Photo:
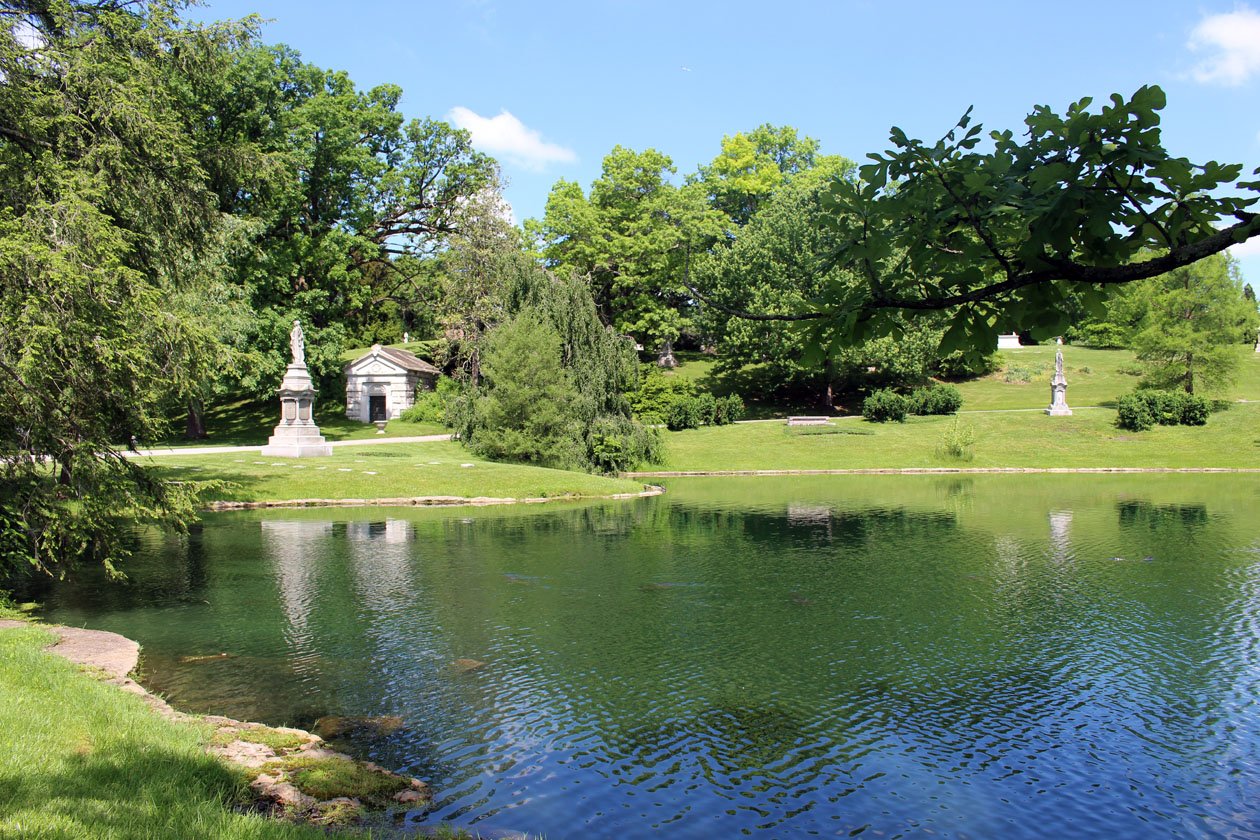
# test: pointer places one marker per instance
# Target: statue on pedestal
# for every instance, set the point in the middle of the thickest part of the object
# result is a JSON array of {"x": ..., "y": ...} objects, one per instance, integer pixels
[
  {"x": 297, "y": 435},
  {"x": 297, "y": 343},
  {"x": 1058, "y": 389}
]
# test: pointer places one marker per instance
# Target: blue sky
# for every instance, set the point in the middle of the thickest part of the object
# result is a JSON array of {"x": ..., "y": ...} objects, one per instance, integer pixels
[{"x": 549, "y": 88}]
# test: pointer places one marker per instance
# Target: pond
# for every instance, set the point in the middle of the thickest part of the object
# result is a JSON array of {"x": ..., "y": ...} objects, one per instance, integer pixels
[{"x": 1018, "y": 656}]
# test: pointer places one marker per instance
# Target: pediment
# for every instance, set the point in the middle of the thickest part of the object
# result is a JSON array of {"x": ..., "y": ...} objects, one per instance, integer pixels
[{"x": 376, "y": 365}]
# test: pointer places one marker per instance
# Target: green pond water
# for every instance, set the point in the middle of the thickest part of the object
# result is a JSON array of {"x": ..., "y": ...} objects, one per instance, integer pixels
[{"x": 1016, "y": 656}]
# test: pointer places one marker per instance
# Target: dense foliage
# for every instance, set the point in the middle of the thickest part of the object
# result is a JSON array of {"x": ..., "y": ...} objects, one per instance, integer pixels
[
  {"x": 885, "y": 405},
  {"x": 679, "y": 404},
  {"x": 553, "y": 380},
  {"x": 935, "y": 399},
  {"x": 1141, "y": 410}
]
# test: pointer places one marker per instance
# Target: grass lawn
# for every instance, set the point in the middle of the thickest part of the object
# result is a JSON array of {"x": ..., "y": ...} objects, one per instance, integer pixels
[
  {"x": 249, "y": 423},
  {"x": 1095, "y": 377},
  {"x": 1089, "y": 438},
  {"x": 387, "y": 471},
  {"x": 85, "y": 760}
]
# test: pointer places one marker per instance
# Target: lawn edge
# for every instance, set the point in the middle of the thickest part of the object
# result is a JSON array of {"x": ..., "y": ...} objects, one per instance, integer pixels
[{"x": 430, "y": 501}]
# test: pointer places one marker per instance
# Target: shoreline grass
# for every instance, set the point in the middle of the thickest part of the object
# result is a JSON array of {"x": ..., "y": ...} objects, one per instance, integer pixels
[
  {"x": 439, "y": 468},
  {"x": 85, "y": 760}
]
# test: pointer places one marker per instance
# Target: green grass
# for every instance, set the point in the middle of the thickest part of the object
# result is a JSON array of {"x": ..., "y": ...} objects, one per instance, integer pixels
[
  {"x": 276, "y": 739},
  {"x": 1089, "y": 438},
  {"x": 327, "y": 777},
  {"x": 85, "y": 760},
  {"x": 1095, "y": 377},
  {"x": 401, "y": 470},
  {"x": 250, "y": 423}
]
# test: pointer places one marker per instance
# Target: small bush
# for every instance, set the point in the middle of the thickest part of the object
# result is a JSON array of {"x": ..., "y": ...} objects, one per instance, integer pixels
[
  {"x": 935, "y": 400},
  {"x": 1194, "y": 410},
  {"x": 884, "y": 405},
  {"x": 1021, "y": 373},
  {"x": 958, "y": 440},
  {"x": 1133, "y": 413}
]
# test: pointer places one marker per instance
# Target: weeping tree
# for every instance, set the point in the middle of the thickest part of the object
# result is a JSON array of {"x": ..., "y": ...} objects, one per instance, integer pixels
[{"x": 554, "y": 380}]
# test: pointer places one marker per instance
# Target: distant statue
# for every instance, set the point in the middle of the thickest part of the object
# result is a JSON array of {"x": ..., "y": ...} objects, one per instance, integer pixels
[
  {"x": 297, "y": 343},
  {"x": 1058, "y": 389}
]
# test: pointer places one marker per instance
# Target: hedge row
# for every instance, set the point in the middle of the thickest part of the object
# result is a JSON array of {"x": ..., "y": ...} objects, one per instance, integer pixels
[
  {"x": 1141, "y": 410},
  {"x": 885, "y": 405}
]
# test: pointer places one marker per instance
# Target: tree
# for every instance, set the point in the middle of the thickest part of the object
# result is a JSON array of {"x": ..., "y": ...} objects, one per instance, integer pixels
[
  {"x": 525, "y": 412},
  {"x": 632, "y": 237},
  {"x": 1195, "y": 314},
  {"x": 997, "y": 239},
  {"x": 594, "y": 368},
  {"x": 345, "y": 199},
  {"x": 752, "y": 166},
  {"x": 778, "y": 262},
  {"x": 105, "y": 211}
]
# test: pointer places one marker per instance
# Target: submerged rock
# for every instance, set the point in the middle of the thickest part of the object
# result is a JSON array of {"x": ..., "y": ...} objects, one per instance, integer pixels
[
  {"x": 209, "y": 657},
  {"x": 339, "y": 726},
  {"x": 464, "y": 666}
]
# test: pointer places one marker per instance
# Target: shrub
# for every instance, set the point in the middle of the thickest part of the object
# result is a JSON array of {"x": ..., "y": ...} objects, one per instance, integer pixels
[
  {"x": 1194, "y": 410},
  {"x": 958, "y": 440},
  {"x": 935, "y": 399},
  {"x": 1133, "y": 413},
  {"x": 434, "y": 406},
  {"x": 616, "y": 444},
  {"x": 884, "y": 405},
  {"x": 679, "y": 404},
  {"x": 1143, "y": 409}
]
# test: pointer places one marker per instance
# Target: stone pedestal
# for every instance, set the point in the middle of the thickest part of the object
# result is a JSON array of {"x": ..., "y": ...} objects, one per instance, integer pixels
[{"x": 296, "y": 435}]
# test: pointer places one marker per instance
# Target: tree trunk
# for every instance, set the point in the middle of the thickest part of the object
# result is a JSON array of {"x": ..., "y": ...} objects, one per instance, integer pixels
[
  {"x": 828, "y": 395},
  {"x": 196, "y": 427}
]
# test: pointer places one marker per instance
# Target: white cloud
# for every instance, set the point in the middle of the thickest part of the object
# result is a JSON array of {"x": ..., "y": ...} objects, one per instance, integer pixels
[
  {"x": 508, "y": 137},
  {"x": 1231, "y": 43}
]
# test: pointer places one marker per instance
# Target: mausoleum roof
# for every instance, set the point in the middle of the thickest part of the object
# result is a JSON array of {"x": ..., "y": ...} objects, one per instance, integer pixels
[{"x": 400, "y": 358}]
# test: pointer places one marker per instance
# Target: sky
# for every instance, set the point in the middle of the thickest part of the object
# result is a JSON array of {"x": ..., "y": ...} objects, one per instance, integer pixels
[{"x": 549, "y": 88}]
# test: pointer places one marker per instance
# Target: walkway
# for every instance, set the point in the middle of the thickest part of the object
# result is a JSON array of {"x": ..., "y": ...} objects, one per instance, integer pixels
[{"x": 211, "y": 450}]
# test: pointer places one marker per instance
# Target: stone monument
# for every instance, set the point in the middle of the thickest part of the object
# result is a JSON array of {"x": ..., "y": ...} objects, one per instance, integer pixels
[
  {"x": 1009, "y": 341},
  {"x": 296, "y": 435},
  {"x": 1058, "y": 389}
]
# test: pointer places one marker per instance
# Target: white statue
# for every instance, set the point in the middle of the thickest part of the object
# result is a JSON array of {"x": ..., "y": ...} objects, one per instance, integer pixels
[
  {"x": 1058, "y": 389},
  {"x": 297, "y": 343}
]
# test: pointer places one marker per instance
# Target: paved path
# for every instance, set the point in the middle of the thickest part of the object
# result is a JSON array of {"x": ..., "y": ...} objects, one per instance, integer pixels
[{"x": 211, "y": 450}]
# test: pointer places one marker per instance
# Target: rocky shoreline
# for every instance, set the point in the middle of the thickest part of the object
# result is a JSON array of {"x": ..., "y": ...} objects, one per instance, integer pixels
[{"x": 293, "y": 774}]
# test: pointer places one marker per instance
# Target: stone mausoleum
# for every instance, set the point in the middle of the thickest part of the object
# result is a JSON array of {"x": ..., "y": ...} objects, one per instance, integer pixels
[{"x": 382, "y": 384}]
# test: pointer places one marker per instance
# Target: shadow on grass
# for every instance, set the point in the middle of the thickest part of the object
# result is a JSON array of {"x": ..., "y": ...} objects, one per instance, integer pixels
[
  {"x": 133, "y": 788},
  {"x": 250, "y": 423}
]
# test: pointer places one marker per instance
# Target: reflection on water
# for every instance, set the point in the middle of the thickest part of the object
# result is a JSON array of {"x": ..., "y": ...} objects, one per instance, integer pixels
[{"x": 1022, "y": 656}]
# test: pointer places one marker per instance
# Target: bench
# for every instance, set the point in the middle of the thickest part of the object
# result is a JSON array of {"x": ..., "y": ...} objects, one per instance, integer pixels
[{"x": 808, "y": 421}]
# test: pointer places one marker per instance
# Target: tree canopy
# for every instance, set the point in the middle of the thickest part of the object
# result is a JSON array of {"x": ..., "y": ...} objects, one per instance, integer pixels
[{"x": 999, "y": 237}]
